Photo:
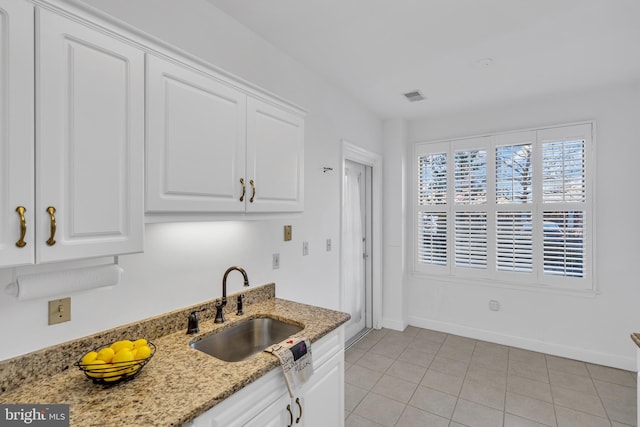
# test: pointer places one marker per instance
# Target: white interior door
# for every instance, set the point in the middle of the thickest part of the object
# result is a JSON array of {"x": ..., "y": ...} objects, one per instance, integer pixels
[{"x": 356, "y": 269}]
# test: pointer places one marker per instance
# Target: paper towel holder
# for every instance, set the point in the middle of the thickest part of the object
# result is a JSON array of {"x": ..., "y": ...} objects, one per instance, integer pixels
[{"x": 67, "y": 281}]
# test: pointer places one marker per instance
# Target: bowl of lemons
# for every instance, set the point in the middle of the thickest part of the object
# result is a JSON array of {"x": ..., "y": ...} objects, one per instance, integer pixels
[{"x": 119, "y": 361}]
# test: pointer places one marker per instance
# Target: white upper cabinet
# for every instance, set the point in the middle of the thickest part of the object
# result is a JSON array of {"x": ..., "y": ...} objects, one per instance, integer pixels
[
  {"x": 275, "y": 158},
  {"x": 213, "y": 148},
  {"x": 85, "y": 197},
  {"x": 89, "y": 142},
  {"x": 195, "y": 142},
  {"x": 16, "y": 133}
]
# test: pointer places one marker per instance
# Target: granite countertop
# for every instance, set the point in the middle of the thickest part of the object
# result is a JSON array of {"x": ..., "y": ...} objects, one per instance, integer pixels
[{"x": 177, "y": 384}]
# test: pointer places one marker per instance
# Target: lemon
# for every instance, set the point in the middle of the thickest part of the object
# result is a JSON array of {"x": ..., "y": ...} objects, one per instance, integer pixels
[
  {"x": 119, "y": 345},
  {"x": 133, "y": 369},
  {"x": 139, "y": 343},
  {"x": 89, "y": 357},
  {"x": 94, "y": 368},
  {"x": 134, "y": 352},
  {"x": 123, "y": 355},
  {"x": 113, "y": 372},
  {"x": 143, "y": 352},
  {"x": 105, "y": 354},
  {"x": 110, "y": 379}
]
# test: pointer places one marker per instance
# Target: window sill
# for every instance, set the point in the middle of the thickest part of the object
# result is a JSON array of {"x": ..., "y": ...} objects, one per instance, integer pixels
[{"x": 513, "y": 286}]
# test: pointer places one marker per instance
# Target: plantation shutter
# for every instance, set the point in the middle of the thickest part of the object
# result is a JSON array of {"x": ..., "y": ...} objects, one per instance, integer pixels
[
  {"x": 432, "y": 219},
  {"x": 514, "y": 241},
  {"x": 470, "y": 186}
]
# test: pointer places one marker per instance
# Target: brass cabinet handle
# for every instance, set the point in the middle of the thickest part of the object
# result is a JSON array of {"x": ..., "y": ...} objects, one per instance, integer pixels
[
  {"x": 23, "y": 227},
  {"x": 244, "y": 188},
  {"x": 300, "y": 407},
  {"x": 51, "y": 210},
  {"x": 253, "y": 191},
  {"x": 290, "y": 416}
]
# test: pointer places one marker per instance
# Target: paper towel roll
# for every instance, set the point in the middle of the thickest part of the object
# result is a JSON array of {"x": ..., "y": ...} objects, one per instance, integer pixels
[{"x": 42, "y": 285}]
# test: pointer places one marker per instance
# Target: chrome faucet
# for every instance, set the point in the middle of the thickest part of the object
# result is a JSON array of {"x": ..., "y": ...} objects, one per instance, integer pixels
[{"x": 222, "y": 303}]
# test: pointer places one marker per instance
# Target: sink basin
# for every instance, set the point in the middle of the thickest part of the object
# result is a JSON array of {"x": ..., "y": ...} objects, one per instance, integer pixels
[{"x": 245, "y": 339}]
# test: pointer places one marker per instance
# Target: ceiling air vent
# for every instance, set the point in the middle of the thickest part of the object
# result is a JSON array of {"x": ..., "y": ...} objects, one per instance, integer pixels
[{"x": 414, "y": 96}]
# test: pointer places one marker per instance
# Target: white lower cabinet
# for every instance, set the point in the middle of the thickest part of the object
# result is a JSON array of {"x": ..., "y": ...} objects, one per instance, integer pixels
[{"x": 266, "y": 402}]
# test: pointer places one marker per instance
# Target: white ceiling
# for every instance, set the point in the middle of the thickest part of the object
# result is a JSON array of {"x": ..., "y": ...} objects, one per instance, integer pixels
[{"x": 378, "y": 49}]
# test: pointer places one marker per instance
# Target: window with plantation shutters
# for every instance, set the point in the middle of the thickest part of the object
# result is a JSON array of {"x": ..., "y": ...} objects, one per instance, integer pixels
[{"x": 514, "y": 207}]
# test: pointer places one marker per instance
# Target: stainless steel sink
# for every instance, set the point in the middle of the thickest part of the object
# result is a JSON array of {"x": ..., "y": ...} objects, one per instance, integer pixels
[{"x": 245, "y": 339}]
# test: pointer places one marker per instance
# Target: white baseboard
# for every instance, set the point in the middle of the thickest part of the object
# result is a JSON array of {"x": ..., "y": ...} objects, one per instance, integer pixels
[
  {"x": 396, "y": 325},
  {"x": 606, "y": 359}
]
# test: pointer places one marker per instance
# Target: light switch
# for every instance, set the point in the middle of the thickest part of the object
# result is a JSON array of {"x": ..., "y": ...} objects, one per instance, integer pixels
[
  {"x": 287, "y": 233},
  {"x": 59, "y": 310}
]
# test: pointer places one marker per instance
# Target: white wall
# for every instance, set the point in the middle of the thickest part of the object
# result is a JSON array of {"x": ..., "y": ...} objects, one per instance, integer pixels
[
  {"x": 394, "y": 315},
  {"x": 595, "y": 328},
  {"x": 183, "y": 263}
]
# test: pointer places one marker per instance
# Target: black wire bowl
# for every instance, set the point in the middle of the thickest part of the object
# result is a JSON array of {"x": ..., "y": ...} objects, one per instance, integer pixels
[{"x": 115, "y": 372}]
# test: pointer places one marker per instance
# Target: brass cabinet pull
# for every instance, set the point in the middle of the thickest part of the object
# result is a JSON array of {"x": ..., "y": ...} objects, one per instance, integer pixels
[
  {"x": 300, "y": 407},
  {"x": 51, "y": 210},
  {"x": 290, "y": 416},
  {"x": 253, "y": 191},
  {"x": 244, "y": 188},
  {"x": 23, "y": 227}
]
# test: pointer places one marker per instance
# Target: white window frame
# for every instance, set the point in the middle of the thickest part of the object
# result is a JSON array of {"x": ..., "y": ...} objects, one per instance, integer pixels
[{"x": 537, "y": 278}]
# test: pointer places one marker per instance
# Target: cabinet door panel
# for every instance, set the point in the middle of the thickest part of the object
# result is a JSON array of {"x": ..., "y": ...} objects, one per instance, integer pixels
[
  {"x": 16, "y": 130},
  {"x": 90, "y": 141},
  {"x": 196, "y": 142},
  {"x": 275, "y": 147},
  {"x": 323, "y": 396},
  {"x": 275, "y": 415}
]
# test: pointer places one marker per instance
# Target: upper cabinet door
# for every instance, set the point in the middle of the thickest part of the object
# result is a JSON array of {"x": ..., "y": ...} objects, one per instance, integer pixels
[
  {"x": 89, "y": 142},
  {"x": 196, "y": 141},
  {"x": 16, "y": 132},
  {"x": 275, "y": 158}
]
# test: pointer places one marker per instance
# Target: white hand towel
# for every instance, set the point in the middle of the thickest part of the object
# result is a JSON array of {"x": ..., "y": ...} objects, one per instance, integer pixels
[{"x": 295, "y": 357}]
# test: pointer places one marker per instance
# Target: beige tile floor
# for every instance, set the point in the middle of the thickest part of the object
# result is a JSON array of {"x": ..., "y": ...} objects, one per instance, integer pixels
[{"x": 425, "y": 378}]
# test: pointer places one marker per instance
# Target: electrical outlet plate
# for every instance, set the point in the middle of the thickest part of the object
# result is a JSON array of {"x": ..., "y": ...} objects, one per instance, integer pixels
[
  {"x": 276, "y": 261},
  {"x": 305, "y": 248},
  {"x": 328, "y": 245},
  {"x": 59, "y": 310}
]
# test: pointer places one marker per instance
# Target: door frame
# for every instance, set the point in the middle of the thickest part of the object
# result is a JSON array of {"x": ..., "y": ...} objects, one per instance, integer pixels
[{"x": 358, "y": 154}]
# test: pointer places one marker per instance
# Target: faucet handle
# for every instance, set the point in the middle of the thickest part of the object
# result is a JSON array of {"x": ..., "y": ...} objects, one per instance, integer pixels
[
  {"x": 193, "y": 326},
  {"x": 239, "y": 304}
]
